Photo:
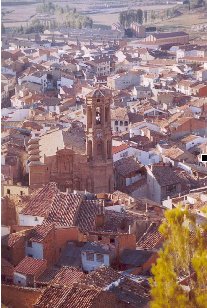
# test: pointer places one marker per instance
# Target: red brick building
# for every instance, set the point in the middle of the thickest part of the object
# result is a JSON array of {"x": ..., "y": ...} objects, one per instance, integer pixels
[{"x": 75, "y": 158}]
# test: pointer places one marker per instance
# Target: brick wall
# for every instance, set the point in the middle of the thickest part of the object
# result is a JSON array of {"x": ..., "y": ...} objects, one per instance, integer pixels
[
  {"x": 15, "y": 253},
  {"x": 126, "y": 241},
  {"x": 8, "y": 212},
  {"x": 17, "y": 297},
  {"x": 63, "y": 235},
  {"x": 192, "y": 125},
  {"x": 49, "y": 248}
]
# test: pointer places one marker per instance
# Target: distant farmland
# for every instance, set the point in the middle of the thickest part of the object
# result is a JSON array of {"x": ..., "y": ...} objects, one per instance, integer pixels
[{"x": 21, "y": 12}]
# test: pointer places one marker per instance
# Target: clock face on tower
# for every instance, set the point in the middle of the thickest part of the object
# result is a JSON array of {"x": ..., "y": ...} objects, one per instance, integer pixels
[{"x": 99, "y": 134}]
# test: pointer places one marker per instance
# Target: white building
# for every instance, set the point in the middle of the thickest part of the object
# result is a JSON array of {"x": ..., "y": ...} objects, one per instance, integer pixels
[
  {"x": 141, "y": 92},
  {"x": 15, "y": 114},
  {"x": 65, "y": 81},
  {"x": 94, "y": 255},
  {"x": 119, "y": 120},
  {"x": 29, "y": 220},
  {"x": 193, "y": 140},
  {"x": 37, "y": 77},
  {"x": 124, "y": 80}
]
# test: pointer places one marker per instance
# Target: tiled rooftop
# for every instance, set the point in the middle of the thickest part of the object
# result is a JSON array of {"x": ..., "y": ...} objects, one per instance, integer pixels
[
  {"x": 67, "y": 276},
  {"x": 151, "y": 238},
  {"x": 40, "y": 204},
  {"x": 101, "y": 278},
  {"x": 30, "y": 266}
]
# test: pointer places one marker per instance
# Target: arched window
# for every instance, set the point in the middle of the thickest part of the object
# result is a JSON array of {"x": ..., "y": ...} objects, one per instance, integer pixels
[
  {"x": 125, "y": 123},
  {"x": 121, "y": 123},
  {"x": 116, "y": 123},
  {"x": 98, "y": 115}
]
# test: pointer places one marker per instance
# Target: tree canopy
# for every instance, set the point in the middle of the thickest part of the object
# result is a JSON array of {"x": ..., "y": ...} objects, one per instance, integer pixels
[
  {"x": 184, "y": 255},
  {"x": 65, "y": 16},
  {"x": 127, "y": 17}
]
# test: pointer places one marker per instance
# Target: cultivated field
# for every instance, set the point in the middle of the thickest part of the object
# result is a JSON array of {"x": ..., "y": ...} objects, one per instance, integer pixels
[
  {"x": 100, "y": 12},
  {"x": 105, "y": 13}
]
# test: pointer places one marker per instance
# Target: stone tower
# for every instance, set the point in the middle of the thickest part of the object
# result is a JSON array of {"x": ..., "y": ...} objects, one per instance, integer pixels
[
  {"x": 38, "y": 172},
  {"x": 99, "y": 139}
]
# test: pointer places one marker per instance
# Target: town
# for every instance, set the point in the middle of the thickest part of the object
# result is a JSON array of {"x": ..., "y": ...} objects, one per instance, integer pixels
[{"x": 104, "y": 132}]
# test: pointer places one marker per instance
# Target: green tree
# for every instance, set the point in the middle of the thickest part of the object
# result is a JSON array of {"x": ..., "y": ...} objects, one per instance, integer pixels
[{"x": 184, "y": 254}]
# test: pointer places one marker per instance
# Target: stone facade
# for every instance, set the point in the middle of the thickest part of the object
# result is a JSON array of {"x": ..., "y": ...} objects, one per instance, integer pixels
[{"x": 85, "y": 162}]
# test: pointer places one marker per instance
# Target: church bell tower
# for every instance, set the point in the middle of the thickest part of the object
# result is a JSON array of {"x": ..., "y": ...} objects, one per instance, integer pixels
[{"x": 99, "y": 139}]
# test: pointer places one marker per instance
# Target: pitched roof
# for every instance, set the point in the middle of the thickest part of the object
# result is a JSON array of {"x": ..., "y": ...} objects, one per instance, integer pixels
[
  {"x": 119, "y": 148},
  {"x": 135, "y": 258},
  {"x": 131, "y": 292},
  {"x": 11, "y": 239},
  {"x": 165, "y": 175},
  {"x": 151, "y": 238},
  {"x": 30, "y": 266},
  {"x": 64, "y": 209},
  {"x": 101, "y": 277},
  {"x": 65, "y": 297},
  {"x": 40, "y": 204},
  {"x": 88, "y": 211},
  {"x": 99, "y": 92},
  {"x": 39, "y": 233},
  {"x": 127, "y": 165},
  {"x": 161, "y": 35},
  {"x": 67, "y": 276}
]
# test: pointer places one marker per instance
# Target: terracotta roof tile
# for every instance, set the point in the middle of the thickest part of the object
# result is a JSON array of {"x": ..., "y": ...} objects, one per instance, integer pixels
[
  {"x": 40, "y": 204},
  {"x": 65, "y": 297},
  {"x": 30, "y": 266},
  {"x": 126, "y": 165},
  {"x": 88, "y": 211},
  {"x": 39, "y": 233},
  {"x": 102, "y": 277},
  {"x": 119, "y": 148},
  {"x": 67, "y": 276},
  {"x": 151, "y": 238},
  {"x": 64, "y": 209}
]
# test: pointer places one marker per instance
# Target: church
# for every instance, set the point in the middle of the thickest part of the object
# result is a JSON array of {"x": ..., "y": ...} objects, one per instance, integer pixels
[{"x": 77, "y": 158}]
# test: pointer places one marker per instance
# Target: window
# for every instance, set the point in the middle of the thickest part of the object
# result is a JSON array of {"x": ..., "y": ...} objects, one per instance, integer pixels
[
  {"x": 89, "y": 256},
  {"x": 125, "y": 123},
  {"x": 99, "y": 238},
  {"x": 8, "y": 191},
  {"x": 99, "y": 257},
  {"x": 121, "y": 123},
  {"x": 116, "y": 123},
  {"x": 29, "y": 244},
  {"x": 29, "y": 255},
  {"x": 112, "y": 240},
  {"x": 98, "y": 115},
  {"x": 21, "y": 192},
  {"x": 36, "y": 219}
]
